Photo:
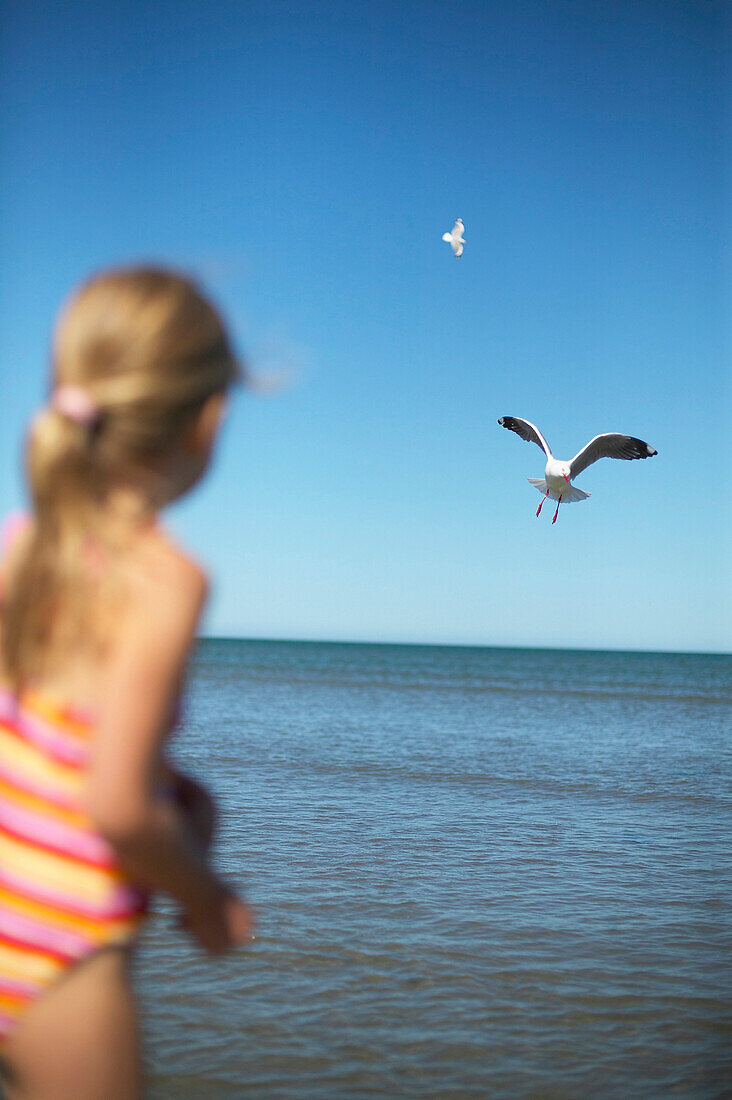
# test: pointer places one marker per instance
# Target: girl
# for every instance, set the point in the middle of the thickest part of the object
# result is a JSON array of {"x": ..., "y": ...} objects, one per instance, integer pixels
[{"x": 98, "y": 611}]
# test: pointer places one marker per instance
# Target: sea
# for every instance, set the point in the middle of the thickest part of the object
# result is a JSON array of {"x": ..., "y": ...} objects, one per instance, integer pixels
[{"x": 476, "y": 872}]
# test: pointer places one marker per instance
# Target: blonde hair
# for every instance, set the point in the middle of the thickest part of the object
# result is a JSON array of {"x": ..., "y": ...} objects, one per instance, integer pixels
[{"x": 148, "y": 350}]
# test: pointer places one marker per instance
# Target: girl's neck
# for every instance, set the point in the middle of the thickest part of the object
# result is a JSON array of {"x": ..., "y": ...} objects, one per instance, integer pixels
[{"x": 129, "y": 509}]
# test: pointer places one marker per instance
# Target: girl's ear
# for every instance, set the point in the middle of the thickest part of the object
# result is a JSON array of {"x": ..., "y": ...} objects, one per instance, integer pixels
[{"x": 203, "y": 430}]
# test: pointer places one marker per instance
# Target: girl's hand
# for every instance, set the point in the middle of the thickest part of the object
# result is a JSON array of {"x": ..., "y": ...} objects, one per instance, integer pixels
[{"x": 219, "y": 921}]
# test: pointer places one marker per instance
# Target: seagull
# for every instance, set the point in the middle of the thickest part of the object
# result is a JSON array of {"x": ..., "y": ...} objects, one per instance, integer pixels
[
  {"x": 556, "y": 482},
  {"x": 455, "y": 238}
]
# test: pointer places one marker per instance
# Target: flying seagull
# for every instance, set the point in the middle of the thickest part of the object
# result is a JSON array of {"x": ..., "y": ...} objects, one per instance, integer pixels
[
  {"x": 455, "y": 238},
  {"x": 556, "y": 482}
]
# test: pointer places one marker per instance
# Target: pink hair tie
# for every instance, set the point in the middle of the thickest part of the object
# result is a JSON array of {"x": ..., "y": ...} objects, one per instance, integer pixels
[{"x": 76, "y": 404}]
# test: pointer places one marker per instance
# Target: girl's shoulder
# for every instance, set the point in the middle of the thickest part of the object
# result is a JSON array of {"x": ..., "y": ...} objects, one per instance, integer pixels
[
  {"x": 164, "y": 593},
  {"x": 159, "y": 568},
  {"x": 16, "y": 530},
  {"x": 14, "y": 526}
]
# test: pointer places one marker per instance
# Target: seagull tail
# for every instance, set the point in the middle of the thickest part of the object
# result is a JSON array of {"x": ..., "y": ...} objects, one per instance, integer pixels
[{"x": 571, "y": 495}]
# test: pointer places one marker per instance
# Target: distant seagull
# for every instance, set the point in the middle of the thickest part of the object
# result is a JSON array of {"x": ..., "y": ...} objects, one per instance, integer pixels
[
  {"x": 456, "y": 237},
  {"x": 556, "y": 481}
]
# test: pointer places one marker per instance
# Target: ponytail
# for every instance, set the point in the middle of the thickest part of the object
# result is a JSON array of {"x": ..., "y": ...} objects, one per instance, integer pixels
[{"x": 65, "y": 490}]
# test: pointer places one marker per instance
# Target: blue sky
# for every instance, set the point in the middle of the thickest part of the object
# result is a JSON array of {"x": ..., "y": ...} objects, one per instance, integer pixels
[{"x": 304, "y": 159}]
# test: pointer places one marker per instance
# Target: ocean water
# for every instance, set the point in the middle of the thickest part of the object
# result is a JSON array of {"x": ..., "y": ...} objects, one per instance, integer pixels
[{"x": 489, "y": 873}]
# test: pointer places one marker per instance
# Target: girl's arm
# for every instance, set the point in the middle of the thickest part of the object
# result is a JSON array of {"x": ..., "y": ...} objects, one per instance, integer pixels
[{"x": 141, "y": 679}]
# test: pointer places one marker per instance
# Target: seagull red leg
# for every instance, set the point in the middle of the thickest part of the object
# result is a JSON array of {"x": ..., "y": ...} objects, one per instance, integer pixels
[
  {"x": 557, "y": 511},
  {"x": 546, "y": 494}
]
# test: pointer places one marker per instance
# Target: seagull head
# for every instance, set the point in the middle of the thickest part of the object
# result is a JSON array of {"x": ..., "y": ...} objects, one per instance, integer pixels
[{"x": 566, "y": 472}]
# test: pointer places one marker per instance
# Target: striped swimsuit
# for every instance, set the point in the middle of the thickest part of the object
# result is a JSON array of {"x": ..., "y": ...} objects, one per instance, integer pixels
[{"x": 62, "y": 893}]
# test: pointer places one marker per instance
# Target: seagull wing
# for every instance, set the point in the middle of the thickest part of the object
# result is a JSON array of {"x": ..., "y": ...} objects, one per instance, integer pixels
[
  {"x": 527, "y": 431},
  {"x": 610, "y": 445}
]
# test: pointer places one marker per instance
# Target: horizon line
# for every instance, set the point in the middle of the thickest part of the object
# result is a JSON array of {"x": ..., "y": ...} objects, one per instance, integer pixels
[{"x": 463, "y": 645}]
